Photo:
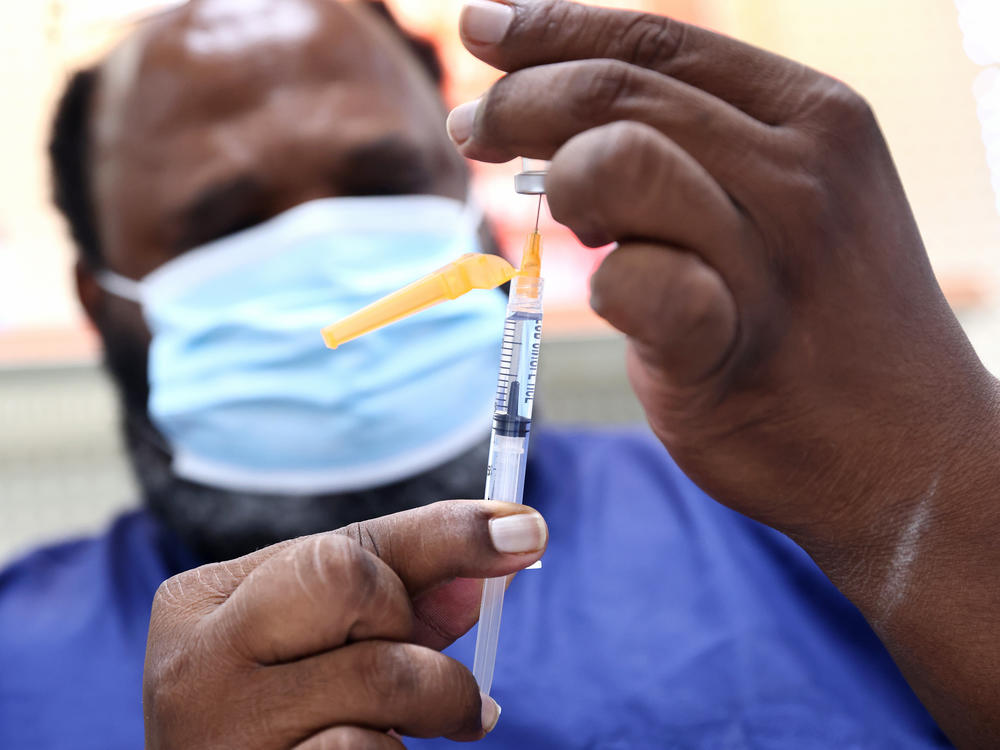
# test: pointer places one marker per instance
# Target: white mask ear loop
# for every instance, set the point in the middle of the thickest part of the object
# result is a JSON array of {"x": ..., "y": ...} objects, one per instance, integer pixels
[{"x": 120, "y": 286}]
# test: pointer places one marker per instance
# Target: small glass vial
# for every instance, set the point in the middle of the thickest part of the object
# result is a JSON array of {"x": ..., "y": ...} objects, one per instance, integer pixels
[{"x": 531, "y": 179}]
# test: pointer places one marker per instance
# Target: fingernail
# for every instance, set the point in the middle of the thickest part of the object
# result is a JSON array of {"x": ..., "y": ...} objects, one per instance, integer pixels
[
  {"x": 491, "y": 712},
  {"x": 460, "y": 121},
  {"x": 519, "y": 532},
  {"x": 485, "y": 22}
]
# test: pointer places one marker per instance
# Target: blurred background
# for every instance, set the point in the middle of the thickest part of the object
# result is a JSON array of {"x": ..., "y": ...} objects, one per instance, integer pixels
[{"x": 929, "y": 68}]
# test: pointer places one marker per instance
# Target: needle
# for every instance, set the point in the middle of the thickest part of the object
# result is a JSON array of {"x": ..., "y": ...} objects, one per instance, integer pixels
[{"x": 538, "y": 213}]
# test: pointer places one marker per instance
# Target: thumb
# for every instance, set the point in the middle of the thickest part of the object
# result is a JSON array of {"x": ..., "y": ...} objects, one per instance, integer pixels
[{"x": 441, "y": 552}]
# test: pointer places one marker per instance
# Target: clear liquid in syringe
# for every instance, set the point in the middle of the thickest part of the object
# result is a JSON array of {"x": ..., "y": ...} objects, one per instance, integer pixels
[{"x": 512, "y": 412}]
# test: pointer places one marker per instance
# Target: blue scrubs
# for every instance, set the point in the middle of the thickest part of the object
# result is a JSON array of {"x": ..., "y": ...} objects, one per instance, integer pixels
[{"x": 659, "y": 620}]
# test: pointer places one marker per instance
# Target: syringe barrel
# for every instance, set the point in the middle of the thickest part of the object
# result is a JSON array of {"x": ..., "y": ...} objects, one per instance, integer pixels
[
  {"x": 519, "y": 352},
  {"x": 508, "y": 461},
  {"x": 488, "y": 633},
  {"x": 509, "y": 444}
]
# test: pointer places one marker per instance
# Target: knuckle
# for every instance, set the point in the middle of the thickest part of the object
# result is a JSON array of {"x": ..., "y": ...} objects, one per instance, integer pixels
[
  {"x": 339, "y": 563},
  {"x": 623, "y": 162},
  {"x": 184, "y": 667},
  {"x": 838, "y": 136},
  {"x": 841, "y": 114},
  {"x": 363, "y": 533},
  {"x": 600, "y": 168},
  {"x": 164, "y": 599},
  {"x": 548, "y": 22},
  {"x": 631, "y": 151},
  {"x": 847, "y": 106},
  {"x": 176, "y": 634},
  {"x": 177, "y": 596},
  {"x": 807, "y": 198},
  {"x": 597, "y": 88},
  {"x": 651, "y": 40},
  {"x": 623, "y": 139},
  {"x": 624, "y": 145}
]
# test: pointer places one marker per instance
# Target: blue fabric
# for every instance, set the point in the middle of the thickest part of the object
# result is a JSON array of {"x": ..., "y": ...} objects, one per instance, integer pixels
[
  {"x": 73, "y": 623},
  {"x": 659, "y": 620}
]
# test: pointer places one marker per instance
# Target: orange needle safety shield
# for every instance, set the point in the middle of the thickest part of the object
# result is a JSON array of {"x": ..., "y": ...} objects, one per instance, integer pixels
[{"x": 471, "y": 271}]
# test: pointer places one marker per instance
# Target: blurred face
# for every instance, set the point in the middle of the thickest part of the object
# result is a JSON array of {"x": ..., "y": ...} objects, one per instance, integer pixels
[
  {"x": 214, "y": 118},
  {"x": 228, "y": 112}
]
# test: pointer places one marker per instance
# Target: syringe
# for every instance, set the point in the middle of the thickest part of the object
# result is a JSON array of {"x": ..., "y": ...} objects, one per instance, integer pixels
[{"x": 522, "y": 337}]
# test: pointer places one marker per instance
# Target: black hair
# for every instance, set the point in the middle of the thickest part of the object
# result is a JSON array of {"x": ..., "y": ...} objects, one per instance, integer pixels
[
  {"x": 69, "y": 144},
  {"x": 69, "y": 155}
]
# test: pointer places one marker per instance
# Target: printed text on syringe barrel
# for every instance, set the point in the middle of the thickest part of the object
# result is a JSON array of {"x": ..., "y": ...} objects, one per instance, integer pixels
[{"x": 518, "y": 367}]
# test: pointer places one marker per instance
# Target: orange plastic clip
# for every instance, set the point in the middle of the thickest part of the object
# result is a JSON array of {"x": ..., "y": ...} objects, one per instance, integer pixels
[{"x": 471, "y": 271}]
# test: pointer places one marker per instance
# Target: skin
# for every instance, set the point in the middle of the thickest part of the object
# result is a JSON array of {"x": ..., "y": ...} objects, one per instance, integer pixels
[
  {"x": 788, "y": 340},
  {"x": 333, "y": 639},
  {"x": 189, "y": 146}
]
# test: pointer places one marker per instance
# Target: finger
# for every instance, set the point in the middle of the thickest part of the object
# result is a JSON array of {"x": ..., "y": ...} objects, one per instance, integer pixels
[
  {"x": 203, "y": 589},
  {"x": 533, "y": 112},
  {"x": 379, "y": 685},
  {"x": 315, "y": 595},
  {"x": 447, "y": 612},
  {"x": 456, "y": 538},
  {"x": 217, "y": 581},
  {"x": 350, "y": 738},
  {"x": 446, "y": 591},
  {"x": 331, "y": 589},
  {"x": 628, "y": 181},
  {"x": 515, "y": 34},
  {"x": 677, "y": 311}
]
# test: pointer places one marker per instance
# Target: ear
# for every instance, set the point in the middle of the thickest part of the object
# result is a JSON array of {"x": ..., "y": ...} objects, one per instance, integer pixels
[{"x": 89, "y": 292}]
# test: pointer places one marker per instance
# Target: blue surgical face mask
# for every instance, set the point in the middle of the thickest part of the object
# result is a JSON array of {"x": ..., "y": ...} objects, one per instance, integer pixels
[{"x": 247, "y": 395}]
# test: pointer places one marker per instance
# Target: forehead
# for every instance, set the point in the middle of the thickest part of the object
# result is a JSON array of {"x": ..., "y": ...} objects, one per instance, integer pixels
[
  {"x": 213, "y": 58},
  {"x": 273, "y": 88}
]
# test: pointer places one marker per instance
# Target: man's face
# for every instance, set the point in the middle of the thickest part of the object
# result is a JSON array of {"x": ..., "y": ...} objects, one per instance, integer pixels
[
  {"x": 223, "y": 114},
  {"x": 216, "y": 117}
]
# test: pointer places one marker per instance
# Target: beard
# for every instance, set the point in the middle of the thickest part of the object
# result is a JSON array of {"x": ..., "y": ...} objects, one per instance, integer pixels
[{"x": 219, "y": 524}]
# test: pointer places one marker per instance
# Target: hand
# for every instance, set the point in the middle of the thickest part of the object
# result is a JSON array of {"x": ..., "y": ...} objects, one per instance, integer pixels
[
  {"x": 779, "y": 304},
  {"x": 787, "y": 337},
  {"x": 331, "y": 641}
]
